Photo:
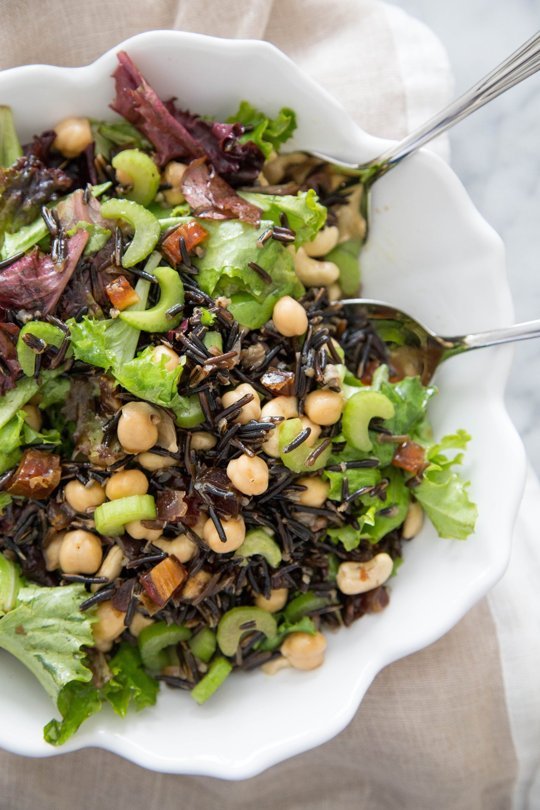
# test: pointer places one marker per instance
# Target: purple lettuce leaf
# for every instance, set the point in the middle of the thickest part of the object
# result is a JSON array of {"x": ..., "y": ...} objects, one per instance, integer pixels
[
  {"x": 177, "y": 134},
  {"x": 212, "y": 198},
  {"x": 24, "y": 188},
  {"x": 35, "y": 282},
  {"x": 9, "y": 365}
]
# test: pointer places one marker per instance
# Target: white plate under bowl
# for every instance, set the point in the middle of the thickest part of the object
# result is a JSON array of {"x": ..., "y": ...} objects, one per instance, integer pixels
[{"x": 430, "y": 252}]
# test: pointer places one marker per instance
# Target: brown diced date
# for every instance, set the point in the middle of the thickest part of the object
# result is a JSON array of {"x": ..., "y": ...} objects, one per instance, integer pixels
[
  {"x": 37, "y": 475},
  {"x": 121, "y": 294},
  {"x": 278, "y": 381},
  {"x": 163, "y": 580},
  {"x": 410, "y": 456}
]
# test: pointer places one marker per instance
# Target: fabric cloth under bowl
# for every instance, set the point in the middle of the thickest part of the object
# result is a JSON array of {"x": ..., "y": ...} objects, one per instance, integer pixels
[{"x": 454, "y": 727}]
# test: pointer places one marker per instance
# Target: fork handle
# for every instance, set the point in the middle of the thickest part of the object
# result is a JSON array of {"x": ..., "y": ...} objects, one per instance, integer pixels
[
  {"x": 506, "y": 334},
  {"x": 517, "y": 67}
]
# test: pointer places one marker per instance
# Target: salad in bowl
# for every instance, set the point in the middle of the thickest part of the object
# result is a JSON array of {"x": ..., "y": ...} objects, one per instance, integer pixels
[
  {"x": 134, "y": 312},
  {"x": 207, "y": 462}
]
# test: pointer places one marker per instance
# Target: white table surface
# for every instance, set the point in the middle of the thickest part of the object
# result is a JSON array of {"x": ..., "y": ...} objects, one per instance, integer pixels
[{"x": 496, "y": 153}]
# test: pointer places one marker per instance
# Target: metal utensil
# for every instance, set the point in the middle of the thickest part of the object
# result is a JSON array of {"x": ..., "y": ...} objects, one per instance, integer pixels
[
  {"x": 420, "y": 350},
  {"x": 518, "y": 66}
]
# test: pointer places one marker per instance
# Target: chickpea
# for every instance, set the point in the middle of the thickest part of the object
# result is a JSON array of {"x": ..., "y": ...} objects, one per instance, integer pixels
[
  {"x": 32, "y": 417},
  {"x": 162, "y": 352},
  {"x": 138, "y": 623},
  {"x": 51, "y": 550},
  {"x": 290, "y": 318},
  {"x": 324, "y": 242},
  {"x": 80, "y": 553},
  {"x": 235, "y": 532},
  {"x": 153, "y": 461},
  {"x": 284, "y": 407},
  {"x": 109, "y": 625},
  {"x": 167, "y": 438},
  {"x": 123, "y": 177},
  {"x": 315, "y": 430},
  {"x": 182, "y": 547},
  {"x": 73, "y": 135},
  {"x": 201, "y": 522},
  {"x": 315, "y": 493},
  {"x": 138, "y": 531},
  {"x": 277, "y": 600},
  {"x": 313, "y": 272},
  {"x": 81, "y": 497},
  {"x": 201, "y": 440},
  {"x": 137, "y": 427},
  {"x": 324, "y": 407},
  {"x": 275, "y": 665},
  {"x": 112, "y": 565},
  {"x": 249, "y": 474},
  {"x": 173, "y": 174},
  {"x": 251, "y": 410},
  {"x": 125, "y": 483},
  {"x": 303, "y": 650}
]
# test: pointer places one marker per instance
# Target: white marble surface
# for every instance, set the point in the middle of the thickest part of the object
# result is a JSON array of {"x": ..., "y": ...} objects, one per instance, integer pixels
[{"x": 496, "y": 153}]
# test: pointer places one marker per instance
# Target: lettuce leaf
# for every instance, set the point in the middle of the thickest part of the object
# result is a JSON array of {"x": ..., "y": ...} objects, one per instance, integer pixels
[
  {"x": 5, "y": 499},
  {"x": 108, "y": 342},
  {"x": 46, "y": 632},
  {"x": 267, "y": 133},
  {"x": 129, "y": 686},
  {"x": 223, "y": 270},
  {"x": 149, "y": 380},
  {"x": 77, "y": 702},
  {"x": 443, "y": 495},
  {"x": 363, "y": 477},
  {"x": 304, "y": 212}
]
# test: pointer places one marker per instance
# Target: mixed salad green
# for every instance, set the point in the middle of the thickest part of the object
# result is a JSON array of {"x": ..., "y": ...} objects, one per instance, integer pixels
[{"x": 205, "y": 459}]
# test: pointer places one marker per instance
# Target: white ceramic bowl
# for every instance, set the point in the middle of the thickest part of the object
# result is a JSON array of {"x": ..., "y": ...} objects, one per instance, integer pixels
[{"x": 431, "y": 253}]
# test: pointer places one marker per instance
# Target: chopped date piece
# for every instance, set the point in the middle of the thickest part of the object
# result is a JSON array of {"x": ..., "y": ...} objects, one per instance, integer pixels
[
  {"x": 411, "y": 457},
  {"x": 121, "y": 294},
  {"x": 191, "y": 232},
  {"x": 279, "y": 382},
  {"x": 163, "y": 580},
  {"x": 171, "y": 505},
  {"x": 37, "y": 475}
]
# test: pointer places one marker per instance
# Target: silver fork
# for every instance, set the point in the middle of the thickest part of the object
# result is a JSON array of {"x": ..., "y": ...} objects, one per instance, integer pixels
[
  {"x": 423, "y": 350},
  {"x": 518, "y": 66}
]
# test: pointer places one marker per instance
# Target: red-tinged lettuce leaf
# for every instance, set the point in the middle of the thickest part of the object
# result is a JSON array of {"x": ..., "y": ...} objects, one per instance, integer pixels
[
  {"x": 81, "y": 169},
  {"x": 238, "y": 163},
  {"x": 9, "y": 365},
  {"x": 34, "y": 282},
  {"x": 212, "y": 198},
  {"x": 178, "y": 134},
  {"x": 74, "y": 209},
  {"x": 139, "y": 104},
  {"x": 24, "y": 188}
]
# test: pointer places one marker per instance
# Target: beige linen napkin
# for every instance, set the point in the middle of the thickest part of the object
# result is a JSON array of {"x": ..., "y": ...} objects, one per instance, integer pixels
[{"x": 432, "y": 732}]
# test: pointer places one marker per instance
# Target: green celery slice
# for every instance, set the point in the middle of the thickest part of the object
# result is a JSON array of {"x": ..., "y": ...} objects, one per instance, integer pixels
[
  {"x": 219, "y": 670},
  {"x": 112, "y": 516}
]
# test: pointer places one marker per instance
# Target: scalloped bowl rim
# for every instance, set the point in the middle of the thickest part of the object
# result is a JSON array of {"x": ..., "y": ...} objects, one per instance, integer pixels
[{"x": 138, "y": 738}]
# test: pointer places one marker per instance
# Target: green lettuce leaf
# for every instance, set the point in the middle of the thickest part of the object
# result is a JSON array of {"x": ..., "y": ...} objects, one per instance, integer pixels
[
  {"x": 223, "y": 270},
  {"x": 103, "y": 343},
  {"x": 443, "y": 495},
  {"x": 149, "y": 380},
  {"x": 436, "y": 454},
  {"x": 54, "y": 391},
  {"x": 410, "y": 399},
  {"x": 77, "y": 701},
  {"x": 364, "y": 477},
  {"x": 46, "y": 632},
  {"x": 109, "y": 342},
  {"x": 130, "y": 684},
  {"x": 268, "y": 133},
  {"x": 304, "y": 212}
]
